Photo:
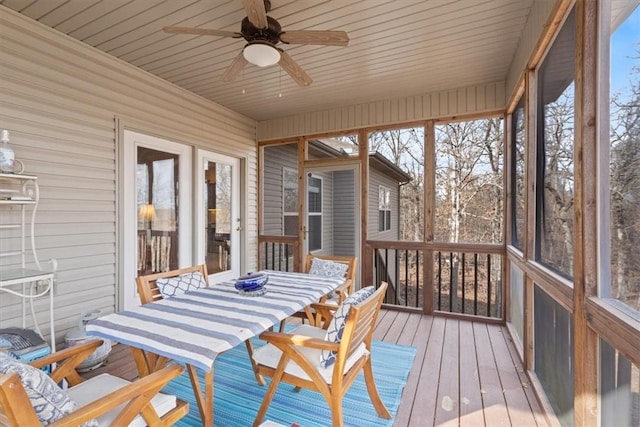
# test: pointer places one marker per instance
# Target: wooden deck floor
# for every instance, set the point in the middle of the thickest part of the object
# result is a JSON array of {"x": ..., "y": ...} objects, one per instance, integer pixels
[{"x": 465, "y": 373}]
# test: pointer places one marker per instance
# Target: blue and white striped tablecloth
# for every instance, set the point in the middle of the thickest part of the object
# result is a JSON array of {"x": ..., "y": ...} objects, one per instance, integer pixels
[{"x": 195, "y": 327}]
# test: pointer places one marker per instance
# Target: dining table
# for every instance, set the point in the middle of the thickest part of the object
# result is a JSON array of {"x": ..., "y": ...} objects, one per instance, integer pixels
[{"x": 193, "y": 328}]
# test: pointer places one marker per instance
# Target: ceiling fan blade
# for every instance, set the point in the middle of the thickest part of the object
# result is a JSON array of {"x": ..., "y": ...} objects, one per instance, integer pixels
[
  {"x": 256, "y": 13},
  {"x": 234, "y": 69},
  {"x": 294, "y": 70},
  {"x": 325, "y": 38},
  {"x": 201, "y": 32}
]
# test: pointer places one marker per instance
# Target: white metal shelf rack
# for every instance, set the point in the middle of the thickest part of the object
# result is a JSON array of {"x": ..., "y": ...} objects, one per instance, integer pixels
[{"x": 20, "y": 193}]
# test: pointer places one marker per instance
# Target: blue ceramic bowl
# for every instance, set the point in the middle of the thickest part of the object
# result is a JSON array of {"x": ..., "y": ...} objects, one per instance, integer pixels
[{"x": 251, "y": 282}]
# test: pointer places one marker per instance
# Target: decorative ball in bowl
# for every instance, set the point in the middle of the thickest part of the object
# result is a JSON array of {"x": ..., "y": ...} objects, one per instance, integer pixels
[{"x": 252, "y": 284}]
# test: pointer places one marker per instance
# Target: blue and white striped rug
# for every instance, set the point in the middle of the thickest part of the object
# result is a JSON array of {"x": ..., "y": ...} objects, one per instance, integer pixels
[{"x": 237, "y": 396}]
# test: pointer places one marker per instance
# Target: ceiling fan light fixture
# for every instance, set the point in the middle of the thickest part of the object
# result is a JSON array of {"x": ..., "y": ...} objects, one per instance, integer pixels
[{"x": 261, "y": 54}]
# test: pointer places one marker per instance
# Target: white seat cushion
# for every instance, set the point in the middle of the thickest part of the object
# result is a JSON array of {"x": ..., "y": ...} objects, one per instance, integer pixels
[
  {"x": 101, "y": 385},
  {"x": 269, "y": 355}
]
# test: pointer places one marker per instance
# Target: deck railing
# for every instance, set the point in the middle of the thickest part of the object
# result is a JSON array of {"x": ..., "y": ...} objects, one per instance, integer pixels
[
  {"x": 278, "y": 253},
  {"x": 454, "y": 278}
]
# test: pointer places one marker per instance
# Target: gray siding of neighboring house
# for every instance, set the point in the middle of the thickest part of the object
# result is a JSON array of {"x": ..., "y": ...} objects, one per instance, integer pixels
[
  {"x": 376, "y": 179},
  {"x": 60, "y": 99},
  {"x": 328, "y": 222},
  {"x": 344, "y": 227},
  {"x": 275, "y": 158}
]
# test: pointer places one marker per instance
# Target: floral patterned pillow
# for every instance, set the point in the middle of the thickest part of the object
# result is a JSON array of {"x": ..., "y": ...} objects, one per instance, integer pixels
[
  {"x": 49, "y": 401},
  {"x": 173, "y": 286},
  {"x": 327, "y": 268},
  {"x": 336, "y": 327}
]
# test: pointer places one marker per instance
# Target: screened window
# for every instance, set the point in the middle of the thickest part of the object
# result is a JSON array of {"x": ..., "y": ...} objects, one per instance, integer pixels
[
  {"x": 290, "y": 201},
  {"x": 469, "y": 181},
  {"x": 624, "y": 157},
  {"x": 400, "y": 152},
  {"x": 315, "y": 213},
  {"x": 384, "y": 209},
  {"x": 517, "y": 178},
  {"x": 554, "y": 198}
]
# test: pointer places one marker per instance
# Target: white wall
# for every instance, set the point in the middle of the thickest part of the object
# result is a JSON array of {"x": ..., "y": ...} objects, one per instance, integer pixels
[
  {"x": 466, "y": 100},
  {"x": 60, "y": 100}
]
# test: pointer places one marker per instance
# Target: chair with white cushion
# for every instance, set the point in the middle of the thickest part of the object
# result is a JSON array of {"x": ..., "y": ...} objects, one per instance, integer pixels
[
  {"x": 329, "y": 266},
  {"x": 334, "y": 266},
  {"x": 326, "y": 361},
  {"x": 30, "y": 397}
]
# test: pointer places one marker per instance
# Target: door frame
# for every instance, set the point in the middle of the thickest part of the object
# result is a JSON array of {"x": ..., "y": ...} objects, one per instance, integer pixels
[
  {"x": 333, "y": 166},
  {"x": 236, "y": 213},
  {"x": 128, "y": 296}
]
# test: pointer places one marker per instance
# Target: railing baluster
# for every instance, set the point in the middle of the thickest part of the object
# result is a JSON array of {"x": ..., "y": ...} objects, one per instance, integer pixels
[
  {"x": 273, "y": 256},
  {"x": 451, "y": 282},
  {"x": 286, "y": 256},
  {"x": 406, "y": 277},
  {"x": 439, "y": 280},
  {"x": 463, "y": 270},
  {"x": 417, "y": 279},
  {"x": 387, "y": 273},
  {"x": 489, "y": 285},
  {"x": 475, "y": 284},
  {"x": 379, "y": 267}
]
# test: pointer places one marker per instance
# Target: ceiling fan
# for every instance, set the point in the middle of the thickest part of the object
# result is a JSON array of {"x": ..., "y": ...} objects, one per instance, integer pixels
[{"x": 262, "y": 34}]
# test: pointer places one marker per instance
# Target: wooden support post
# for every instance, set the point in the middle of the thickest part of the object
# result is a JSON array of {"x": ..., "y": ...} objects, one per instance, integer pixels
[
  {"x": 585, "y": 341},
  {"x": 429, "y": 213}
]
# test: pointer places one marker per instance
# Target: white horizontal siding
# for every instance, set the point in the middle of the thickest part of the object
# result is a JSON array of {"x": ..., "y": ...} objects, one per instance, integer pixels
[
  {"x": 466, "y": 100},
  {"x": 60, "y": 98}
]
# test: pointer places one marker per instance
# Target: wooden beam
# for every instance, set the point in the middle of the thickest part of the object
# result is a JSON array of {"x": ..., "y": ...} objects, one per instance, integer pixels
[
  {"x": 363, "y": 151},
  {"x": 429, "y": 214},
  {"x": 617, "y": 324},
  {"x": 556, "y": 18},
  {"x": 483, "y": 248},
  {"x": 302, "y": 157},
  {"x": 259, "y": 172},
  {"x": 518, "y": 92},
  {"x": 585, "y": 256},
  {"x": 507, "y": 214}
]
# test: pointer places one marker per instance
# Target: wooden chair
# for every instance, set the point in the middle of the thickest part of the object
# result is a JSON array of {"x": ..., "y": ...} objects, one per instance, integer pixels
[
  {"x": 149, "y": 292},
  {"x": 340, "y": 294},
  {"x": 295, "y": 358},
  {"x": 114, "y": 401},
  {"x": 148, "y": 289}
]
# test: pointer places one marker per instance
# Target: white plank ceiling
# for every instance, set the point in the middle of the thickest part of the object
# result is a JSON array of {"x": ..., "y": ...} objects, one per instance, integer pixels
[{"x": 396, "y": 48}]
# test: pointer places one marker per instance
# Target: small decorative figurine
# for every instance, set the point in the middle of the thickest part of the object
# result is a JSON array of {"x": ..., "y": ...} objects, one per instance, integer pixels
[{"x": 7, "y": 156}]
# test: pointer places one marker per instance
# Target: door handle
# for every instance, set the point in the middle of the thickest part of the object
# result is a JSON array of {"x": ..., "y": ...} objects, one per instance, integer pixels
[{"x": 239, "y": 228}]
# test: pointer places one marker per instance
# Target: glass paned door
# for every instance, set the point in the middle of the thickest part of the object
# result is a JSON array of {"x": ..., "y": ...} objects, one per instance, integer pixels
[
  {"x": 220, "y": 218},
  {"x": 157, "y": 192},
  {"x": 157, "y": 219}
]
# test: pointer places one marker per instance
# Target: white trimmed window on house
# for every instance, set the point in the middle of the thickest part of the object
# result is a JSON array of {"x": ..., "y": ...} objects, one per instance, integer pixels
[
  {"x": 384, "y": 209},
  {"x": 315, "y": 213},
  {"x": 290, "y": 207},
  {"x": 290, "y": 201}
]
